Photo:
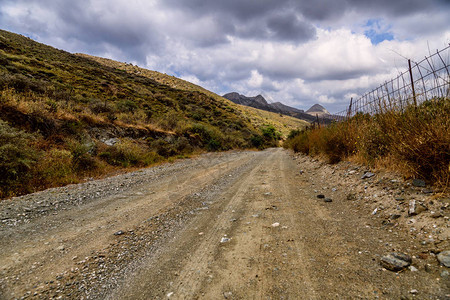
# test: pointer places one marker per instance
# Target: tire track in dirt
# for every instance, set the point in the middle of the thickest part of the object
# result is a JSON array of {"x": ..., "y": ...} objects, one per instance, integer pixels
[{"x": 80, "y": 230}]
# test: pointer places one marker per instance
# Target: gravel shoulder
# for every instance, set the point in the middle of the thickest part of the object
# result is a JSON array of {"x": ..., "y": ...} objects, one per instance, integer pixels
[{"x": 235, "y": 225}]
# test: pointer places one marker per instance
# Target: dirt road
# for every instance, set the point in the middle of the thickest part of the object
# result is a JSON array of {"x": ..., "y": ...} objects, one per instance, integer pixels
[{"x": 238, "y": 225}]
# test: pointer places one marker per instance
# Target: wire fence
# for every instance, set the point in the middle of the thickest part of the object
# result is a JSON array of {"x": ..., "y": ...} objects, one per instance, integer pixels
[{"x": 428, "y": 79}]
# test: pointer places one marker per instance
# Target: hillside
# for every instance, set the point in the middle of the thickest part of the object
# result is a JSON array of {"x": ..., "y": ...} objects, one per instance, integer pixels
[
  {"x": 258, "y": 116},
  {"x": 260, "y": 102},
  {"x": 65, "y": 117}
]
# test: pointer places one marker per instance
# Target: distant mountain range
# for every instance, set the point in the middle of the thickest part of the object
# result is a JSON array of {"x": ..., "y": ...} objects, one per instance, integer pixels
[{"x": 278, "y": 107}]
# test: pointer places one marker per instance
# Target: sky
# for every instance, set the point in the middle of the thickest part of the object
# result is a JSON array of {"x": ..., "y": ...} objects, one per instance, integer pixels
[{"x": 298, "y": 52}]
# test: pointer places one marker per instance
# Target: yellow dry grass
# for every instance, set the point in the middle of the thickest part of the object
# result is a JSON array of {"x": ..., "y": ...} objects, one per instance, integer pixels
[{"x": 284, "y": 124}]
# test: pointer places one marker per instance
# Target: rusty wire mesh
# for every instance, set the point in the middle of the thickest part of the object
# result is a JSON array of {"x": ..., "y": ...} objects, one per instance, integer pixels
[{"x": 428, "y": 79}]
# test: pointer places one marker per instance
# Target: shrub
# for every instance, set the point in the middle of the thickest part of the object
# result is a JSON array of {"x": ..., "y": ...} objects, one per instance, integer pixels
[
  {"x": 128, "y": 153},
  {"x": 415, "y": 142},
  {"x": 17, "y": 157},
  {"x": 55, "y": 168},
  {"x": 257, "y": 141},
  {"x": 127, "y": 105},
  {"x": 271, "y": 135}
]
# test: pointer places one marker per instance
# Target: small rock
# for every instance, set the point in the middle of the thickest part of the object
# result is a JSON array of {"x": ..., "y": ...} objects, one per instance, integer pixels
[
  {"x": 413, "y": 269},
  {"x": 445, "y": 274},
  {"x": 224, "y": 240},
  {"x": 227, "y": 295},
  {"x": 436, "y": 214},
  {"x": 395, "y": 261},
  {"x": 395, "y": 216},
  {"x": 427, "y": 191},
  {"x": 367, "y": 175},
  {"x": 111, "y": 142},
  {"x": 375, "y": 211},
  {"x": 60, "y": 248},
  {"x": 120, "y": 232},
  {"x": 418, "y": 183},
  {"x": 320, "y": 196},
  {"x": 267, "y": 194},
  {"x": 276, "y": 224},
  {"x": 399, "y": 198},
  {"x": 169, "y": 294},
  {"x": 328, "y": 200},
  {"x": 301, "y": 172},
  {"x": 415, "y": 208},
  {"x": 414, "y": 292},
  {"x": 444, "y": 258}
]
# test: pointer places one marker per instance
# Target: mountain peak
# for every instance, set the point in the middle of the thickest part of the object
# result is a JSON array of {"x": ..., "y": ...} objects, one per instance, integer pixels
[
  {"x": 317, "y": 109},
  {"x": 260, "y": 102}
]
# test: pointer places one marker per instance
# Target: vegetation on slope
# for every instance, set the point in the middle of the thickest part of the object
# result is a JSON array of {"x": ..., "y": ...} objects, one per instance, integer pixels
[
  {"x": 283, "y": 124},
  {"x": 64, "y": 117},
  {"x": 415, "y": 142}
]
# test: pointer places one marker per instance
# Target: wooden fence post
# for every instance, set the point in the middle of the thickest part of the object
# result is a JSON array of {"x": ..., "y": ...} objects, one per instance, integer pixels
[
  {"x": 412, "y": 83},
  {"x": 350, "y": 108}
]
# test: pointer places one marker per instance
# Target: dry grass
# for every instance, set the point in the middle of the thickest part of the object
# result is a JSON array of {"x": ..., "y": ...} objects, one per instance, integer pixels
[
  {"x": 257, "y": 117},
  {"x": 415, "y": 142}
]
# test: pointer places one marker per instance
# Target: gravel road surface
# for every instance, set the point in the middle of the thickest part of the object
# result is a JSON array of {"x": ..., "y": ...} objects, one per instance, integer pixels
[{"x": 234, "y": 225}]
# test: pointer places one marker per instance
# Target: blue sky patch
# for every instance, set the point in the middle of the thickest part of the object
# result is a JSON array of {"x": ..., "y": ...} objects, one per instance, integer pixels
[{"x": 377, "y": 31}]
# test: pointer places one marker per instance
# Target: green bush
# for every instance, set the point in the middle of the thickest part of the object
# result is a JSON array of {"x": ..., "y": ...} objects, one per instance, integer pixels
[
  {"x": 271, "y": 135},
  {"x": 16, "y": 157},
  {"x": 257, "y": 141}
]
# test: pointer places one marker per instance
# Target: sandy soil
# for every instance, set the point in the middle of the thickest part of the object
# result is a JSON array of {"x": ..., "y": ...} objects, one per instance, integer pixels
[{"x": 237, "y": 225}]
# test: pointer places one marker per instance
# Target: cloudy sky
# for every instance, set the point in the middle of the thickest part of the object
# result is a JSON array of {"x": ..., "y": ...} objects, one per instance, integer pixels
[{"x": 299, "y": 52}]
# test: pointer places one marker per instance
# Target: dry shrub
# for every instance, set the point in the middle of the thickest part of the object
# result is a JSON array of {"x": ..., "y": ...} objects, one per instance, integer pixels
[
  {"x": 128, "y": 153},
  {"x": 55, "y": 168},
  {"x": 415, "y": 142}
]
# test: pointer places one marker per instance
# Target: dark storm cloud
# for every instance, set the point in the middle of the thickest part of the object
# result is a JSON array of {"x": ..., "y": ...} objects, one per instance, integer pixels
[
  {"x": 254, "y": 19},
  {"x": 290, "y": 27}
]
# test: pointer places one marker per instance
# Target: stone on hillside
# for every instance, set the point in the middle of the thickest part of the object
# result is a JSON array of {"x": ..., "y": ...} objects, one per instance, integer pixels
[
  {"x": 395, "y": 261},
  {"x": 320, "y": 196},
  {"x": 418, "y": 183},
  {"x": 328, "y": 200},
  {"x": 444, "y": 258},
  {"x": 416, "y": 208},
  {"x": 367, "y": 175},
  {"x": 111, "y": 142}
]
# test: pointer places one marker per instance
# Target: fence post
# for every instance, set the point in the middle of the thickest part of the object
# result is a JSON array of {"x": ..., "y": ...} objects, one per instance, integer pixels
[
  {"x": 318, "y": 123},
  {"x": 412, "y": 83},
  {"x": 350, "y": 108}
]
